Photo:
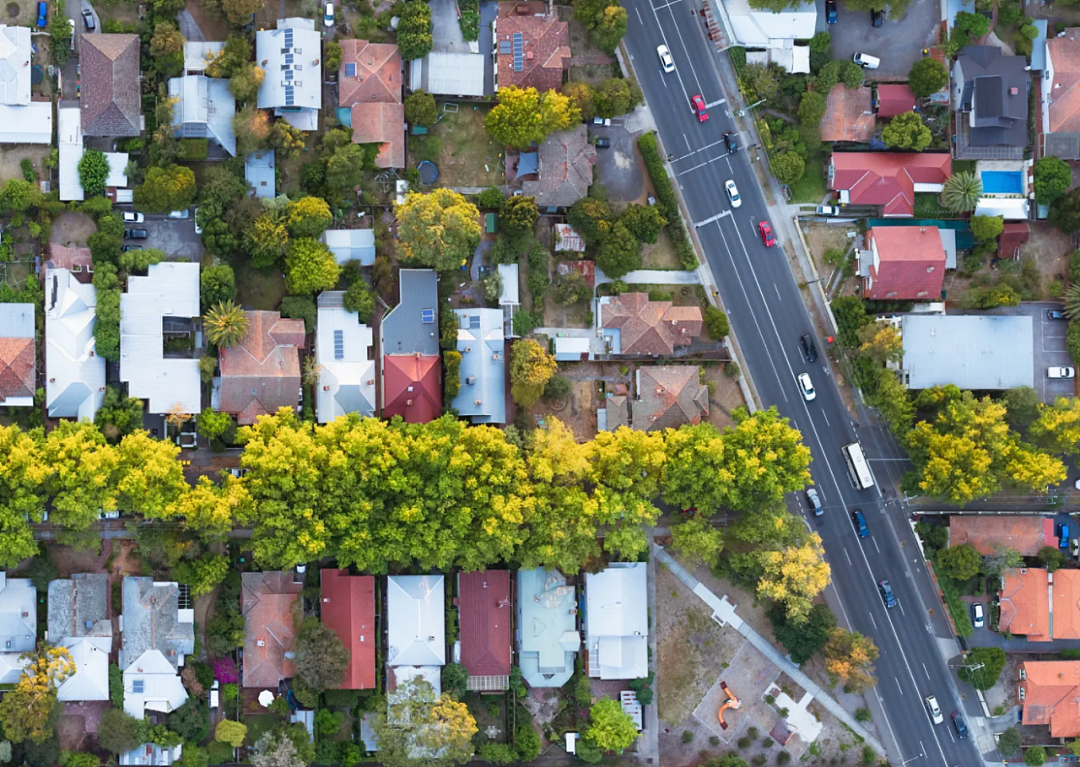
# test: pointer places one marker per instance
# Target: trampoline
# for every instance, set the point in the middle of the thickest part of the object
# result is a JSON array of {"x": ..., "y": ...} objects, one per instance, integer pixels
[{"x": 429, "y": 174}]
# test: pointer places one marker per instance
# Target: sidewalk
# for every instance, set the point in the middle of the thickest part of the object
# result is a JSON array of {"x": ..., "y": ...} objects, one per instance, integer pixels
[{"x": 652, "y": 276}]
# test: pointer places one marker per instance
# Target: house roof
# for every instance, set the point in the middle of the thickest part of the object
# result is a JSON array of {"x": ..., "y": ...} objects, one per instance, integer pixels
[
  {"x": 29, "y": 124},
  {"x": 348, "y": 608},
  {"x": 269, "y": 636},
  {"x": 412, "y": 327},
  {"x": 1065, "y": 616},
  {"x": 893, "y": 100},
  {"x": 995, "y": 93},
  {"x": 151, "y": 754},
  {"x": 482, "y": 396},
  {"x": 91, "y": 678},
  {"x": 18, "y": 360},
  {"x": 1052, "y": 695},
  {"x": 616, "y": 412},
  {"x": 261, "y": 372},
  {"x": 566, "y": 162},
  {"x": 78, "y": 607},
  {"x": 1026, "y": 534},
  {"x": 15, "y": 52},
  {"x": 510, "y": 296},
  {"x": 344, "y": 349},
  {"x": 1012, "y": 237},
  {"x": 972, "y": 351},
  {"x": 887, "y": 179},
  {"x": 449, "y": 73},
  {"x": 197, "y": 55},
  {"x": 70, "y": 138},
  {"x": 849, "y": 115},
  {"x": 1025, "y": 607},
  {"x": 415, "y": 615},
  {"x": 1063, "y": 53},
  {"x": 111, "y": 100},
  {"x": 75, "y": 376},
  {"x": 411, "y": 388},
  {"x": 259, "y": 173},
  {"x": 764, "y": 29},
  {"x": 369, "y": 73},
  {"x": 383, "y": 124},
  {"x": 291, "y": 57},
  {"x": 204, "y": 108},
  {"x": 544, "y": 47},
  {"x": 154, "y": 622},
  {"x": 351, "y": 244},
  {"x": 566, "y": 239},
  {"x": 909, "y": 263},
  {"x": 616, "y": 621},
  {"x": 18, "y": 615},
  {"x": 151, "y": 684},
  {"x": 485, "y": 615},
  {"x": 649, "y": 327},
  {"x": 669, "y": 396},
  {"x": 547, "y": 632}
]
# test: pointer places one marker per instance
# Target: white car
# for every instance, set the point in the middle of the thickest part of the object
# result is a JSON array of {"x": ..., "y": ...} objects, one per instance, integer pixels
[
  {"x": 184, "y": 214},
  {"x": 866, "y": 61},
  {"x": 1074, "y": 547},
  {"x": 198, "y": 229},
  {"x": 328, "y": 15},
  {"x": 732, "y": 193},
  {"x": 71, "y": 25},
  {"x": 806, "y": 387},
  {"x": 666, "y": 62},
  {"x": 1061, "y": 372},
  {"x": 133, "y": 218},
  {"x": 934, "y": 710},
  {"x": 828, "y": 210},
  {"x": 978, "y": 619}
]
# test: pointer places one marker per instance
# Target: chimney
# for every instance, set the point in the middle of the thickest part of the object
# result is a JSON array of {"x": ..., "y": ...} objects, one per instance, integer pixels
[{"x": 470, "y": 380}]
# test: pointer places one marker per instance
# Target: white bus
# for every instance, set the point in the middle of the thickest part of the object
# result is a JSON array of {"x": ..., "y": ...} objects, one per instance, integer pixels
[{"x": 857, "y": 468}]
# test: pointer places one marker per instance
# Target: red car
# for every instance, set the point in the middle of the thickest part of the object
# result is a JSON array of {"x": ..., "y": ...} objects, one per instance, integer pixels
[
  {"x": 766, "y": 233},
  {"x": 698, "y": 104}
]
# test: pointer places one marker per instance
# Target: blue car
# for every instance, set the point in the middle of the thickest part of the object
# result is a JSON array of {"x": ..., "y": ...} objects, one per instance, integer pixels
[
  {"x": 859, "y": 521},
  {"x": 1063, "y": 535},
  {"x": 830, "y": 11},
  {"x": 42, "y": 13}
]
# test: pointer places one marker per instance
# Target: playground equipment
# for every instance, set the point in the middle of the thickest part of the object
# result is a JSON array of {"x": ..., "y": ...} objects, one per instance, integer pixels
[{"x": 732, "y": 702}]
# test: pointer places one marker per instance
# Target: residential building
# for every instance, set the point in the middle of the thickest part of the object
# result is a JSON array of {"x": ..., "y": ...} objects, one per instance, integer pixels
[
  {"x": 509, "y": 298},
  {"x": 1013, "y": 235},
  {"x": 268, "y": 602},
  {"x": 111, "y": 98},
  {"x": 348, "y": 609},
  {"x": 152, "y": 754},
  {"x": 18, "y": 625},
  {"x": 1040, "y": 605},
  {"x": 849, "y": 115},
  {"x": 1061, "y": 96},
  {"x": 990, "y": 95},
  {"x": 669, "y": 396},
  {"x": 415, "y": 629},
  {"x": 345, "y": 351},
  {"x": 977, "y": 352},
  {"x": 771, "y": 37},
  {"x": 532, "y": 47},
  {"x": 564, "y": 169},
  {"x": 261, "y": 372},
  {"x": 617, "y": 622},
  {"x": 369, "y": 85},
  {"x": 204, "y": 108},
  {"x": 79, "y": 621},
  {"x": 259, "y": 173},
  {"x": 887, "y": 179},
  {"x": 991, "y": 535},
  {"x": 547, "y": 633},
  {"x": 291, "y": 57},
  {"x": 71, "y": 152},
  {"x": 198, "y": 55},
  {"x": 1048, "y": 692},
  {"x": 893, "y": 100},
  {"x": 157, "y": 632},
  {"x": 18, "y": 355},
  {"x": 485, "y": 614},
  {"x": 24, "y": 118},
  {"x": 449, "y": 73},
  {"x": 74, "y": 373},
  {"x": 351, "y": 244},
  {"x": 161, "y": 304},
  {"x": 409, "y": 340},
  {"x": 634, "y": 325},
  {"x": 902, "y": 263},
  {"x": 480, "y": 341}
]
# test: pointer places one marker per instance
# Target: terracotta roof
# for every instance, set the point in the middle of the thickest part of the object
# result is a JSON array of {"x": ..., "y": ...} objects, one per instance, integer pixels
[
  {"x": 849, "y": 115},
  {"x": 911, "y": 263},
  {"x": 486, "y": 609},
  {"x": 1066, "y": 615},
  {"x": 62, "y": 257},
  {"x": 650, "y": 327},
  {"x": 1052, "y": 696},
  {"x": 894, "y": 100},
  {"x": 411, "y": 387},
  {"x": 669, "y": 396},
  {"x": 1064, "y": 54},
  {"x": 887, "y": 179},
  {"x": 111, "y": 101},
  {"x": 17, "y": 367},
  {"x": 1026, "y": 534},
  {"x": 1012, "y": 236},
  {"x": 566, "y": 161},
  {"x": 1025, "y": 604},
  {"x": 377, "y": 75},
  {"x": 546, "y": 47},
  {"x": 268, "y": 627},
  {"x": 348, "y": 608},
  {"x": 384, "y": 124},
  {"x": 261, "y": 373}
]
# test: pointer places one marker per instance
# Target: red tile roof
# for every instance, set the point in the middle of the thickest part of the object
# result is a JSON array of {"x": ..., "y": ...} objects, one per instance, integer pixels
[
  {"x": 383, "y": 124},
  {"x": 269, "y": 633},
  {"x": 1012, "y": 236},
  {"x": 546, "y": 47},
  {"x": 1025, "y": 604},
  {"x": 348, "y": 608},
  {"x": 887, "y": 179},
  {"x": 910, "y": 263},
  {"x": 650, "y": 327},
  {"x": 411, "y": 387},
  {"x": 849, "y": 115},
  {"x": 486, "y": 609},
  {"x": 1026, "y": 534},
  {"x": 261, "y": 373},
  {"x": 1052, "y": 696},
  {"x": 1065, "y": 619},
  {"x": 1064, "y": 54},
  {"x": 17, "y": 367},
  {"x": 894, "y": 100},
  {"x": 378, "y": 73},
  {"x": 669, "y": 396}
]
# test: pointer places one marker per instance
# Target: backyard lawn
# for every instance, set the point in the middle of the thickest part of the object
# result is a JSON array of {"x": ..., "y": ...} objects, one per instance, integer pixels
[
  {"x": 258, "y": 288},
  {"x": 811, "y": 187},
  {"x": 461, "y": 149}
]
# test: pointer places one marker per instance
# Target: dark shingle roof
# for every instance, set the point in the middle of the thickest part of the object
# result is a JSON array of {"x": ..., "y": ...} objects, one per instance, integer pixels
[
  {"x": 111, "y": 104},
  {"x": 995, "y": 90}
]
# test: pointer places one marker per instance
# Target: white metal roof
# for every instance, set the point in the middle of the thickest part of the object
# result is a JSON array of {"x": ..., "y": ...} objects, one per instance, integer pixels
[
  {"x": 30, "y": 124},
  {"x": 151, "y": 684},
  {"x": 118, "y": 162},
  {"x": 759, "y": 28},
  {"x": 91, "y": 678},
  {"x": 982, "y": 352},
  {"x": 69, "y": 135},
  {"x": 508, "y": 273},
  {"x": 198, "y": 54},
  {"x": 416, "y": 632},
  {"x": 616, "y": 621},
  {"x": 14, "y": 65},
  {"x": 350, "y": 244},
  {"x": 204, "y": 108},
  {"x": 75, "y": 375},
  {"x": 346, "y": 374},
  {"x": 1011, "y": 208},
  {"x": 295, "y": 69},
  {"x": 444, "y": 73}
]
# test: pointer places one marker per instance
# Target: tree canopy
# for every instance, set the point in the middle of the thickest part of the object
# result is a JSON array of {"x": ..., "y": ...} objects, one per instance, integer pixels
[
  {"x": 907, "y": 131},
  {"x": 440, "y": 229},
  {"x": 1053, "y": 177},
  {"x": 927, "y": 76},
  {"x": 524, "y": 116}
]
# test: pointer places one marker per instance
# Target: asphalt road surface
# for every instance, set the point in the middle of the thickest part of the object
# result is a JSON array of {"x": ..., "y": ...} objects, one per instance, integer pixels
[{"x": 767, "y": 311}]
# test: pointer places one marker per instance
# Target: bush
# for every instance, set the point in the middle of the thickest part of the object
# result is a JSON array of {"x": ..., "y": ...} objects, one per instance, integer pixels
[
  {"x": 687, "y": 736},
  {"x": 1009, "y": 742},
  {"x": 491, "y": 198},
  {"x": 863, "y": 715},
  {"x": 716, "y": 322},
  {"x": 665, "y": 194},
  {"x": 1035, "y": 756}
]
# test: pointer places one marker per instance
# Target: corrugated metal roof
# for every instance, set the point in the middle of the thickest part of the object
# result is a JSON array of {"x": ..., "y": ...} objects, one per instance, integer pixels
[
  {"x": 616, "y": 624},
  {"x": 30, "y": 124},
  {"x": 991, "y": 352},
  {"x": 482, "y": 396},
  {"x": 346, "y": 385},
  {"x": 70, "y": 138}
]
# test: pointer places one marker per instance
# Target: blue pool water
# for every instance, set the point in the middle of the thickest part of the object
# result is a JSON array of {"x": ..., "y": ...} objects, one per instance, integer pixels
[{"x": 1002, "y": 182}]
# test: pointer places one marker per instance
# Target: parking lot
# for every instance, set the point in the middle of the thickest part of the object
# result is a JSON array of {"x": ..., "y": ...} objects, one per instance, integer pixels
[
  {"x": 898, "y": 42},
  {"x": 617, "y": 165},
  {"x": 176, "y": 237}
]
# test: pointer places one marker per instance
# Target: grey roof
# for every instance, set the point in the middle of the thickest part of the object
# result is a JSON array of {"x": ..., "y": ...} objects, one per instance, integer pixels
[
  {"x": 566, "y": 161},
  {"x": 351, "y": 244},
  {"x": 482, "y": 396},
  {"x": 204, "y": 108},
  {"x": 1038, "y": 46},
  {"x": 1065, "y": 146},
  {"x": 547, "y": 633},
  {"x": 16, "y": 320},
  {"x": 448, "y": 74},
  {"x": 153, "y": 621},
  {"x": 415, "y": 620},
  {"x": 978, "y": 352},
  {"x": 259, "y": 172},
  {"x": 198, "y": 54},
  {"x": 78, "y": 608},
  {"x": 14, "y": 65},
  {"x": 18, "y": 615},
  {"x": 994, "y": 96},
  {"x": 403, "y": 330},
  {"x": 293, "y": 82}
]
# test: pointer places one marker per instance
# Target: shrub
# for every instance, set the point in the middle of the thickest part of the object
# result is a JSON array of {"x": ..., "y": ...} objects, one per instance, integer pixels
[
  {"x": 716, "y": 322},
  {"x": 863, "y": 715},
  {"x": 1035, "y": 756},
  {"x": 687, "y": 736}
]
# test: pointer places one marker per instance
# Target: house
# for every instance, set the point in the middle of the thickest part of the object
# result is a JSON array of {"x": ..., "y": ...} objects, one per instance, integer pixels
[
  {"x": 449, "y": 73},
  {"x": 111, "y": 97},
  {"x": 74, "y": 374},
  {"x": 1060, "y": 100},
  {"x": 567, "y": 240},
  {"x": 348, "y": 609},
  {"x": 415, "y": 629},
  {"x": 482, "y": 396},
  {"x": 369, "y": 84},
  {"x": 634, "y": 325},
  {"x": 204, "y": 108},
  {"x": 79, "y": 621},
  {"x": 564, "y": 170},
  {"x": 887, "y": 179},
  {"x": 409, "y": 339},
  {"x": 152, "y": 754},
  {"x": 771, "y": 37},
  {"x": 978, "y": 352},
  {"x": 893, "y": 100},
  {"x": 1048, "y": 692},
  {"x": 24, "y": 119},
  {"x": 198, "y": 55},
  {"x": 18, "y": 355},
  {"x": 261, "y": 372},
  {"x": 669, "y": 396},
  {"x": 157, "y": 632},
  {"x": 902, "y": 263},
  {"x": 547, "y": 635},
  {"x": 345, "y": 351},
  {"x": 486, "y": 612},
  {"x": 990, "y": 535},
  {"x": 509, "y": 298},
  {"x": 849, "y": 115},
  {"x": 617, "y": 622},
  {"x": 990, "y": 95},
  {"x": 1013, "y": 235},
  {"x": 71, "y": 150},
  {"x": 1040, "y": 605},
  {"x": 18, "y": 625},
  {"x": 532, "y": 47},
  {"x": 291, "y": 57},
  {"x": 259, "y": 173},
  {"x": 351, "y": 244},
  {"x": 268, "y": 600},
  {"x": 615, "y": 413}
]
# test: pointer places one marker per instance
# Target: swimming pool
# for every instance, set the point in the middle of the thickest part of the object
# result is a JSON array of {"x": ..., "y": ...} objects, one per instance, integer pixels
[{"x": 1003, "y": 181}]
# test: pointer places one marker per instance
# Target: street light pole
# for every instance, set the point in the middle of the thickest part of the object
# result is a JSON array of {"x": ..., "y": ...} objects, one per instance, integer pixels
[{"x": 742, "y": 112}]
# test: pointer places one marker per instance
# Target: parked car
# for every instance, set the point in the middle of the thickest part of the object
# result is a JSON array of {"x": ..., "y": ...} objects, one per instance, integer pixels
[
  {"x": 978, "y": 619},
  {"x": 42, "y": 13},
  {"x": 195, "y": 215},
  {"x": 603, "y": 143},
  {"x": 88, "y": 18},
  {"x": 136, "y": 234},
  {"x": 887, "y": 594},
  {"x": 732, "y": 193},
  {"x": 866, "y": 61},
  {"x": 731, "y": 141},
  {"x": 934, "y": 710},
  {"x": 806, "y": 386},
  {"x": 766, "y": 234},
  {"x": 1061, "y": 372},
  {"x": 828, "y": 210},
  {"x": 877, "y": 18},
  {"x": 808, "y": 348},
  {"x": 859, "y": 521},
  {"x": 129, "y": 248},
  {"x": 814, "y": 501},
  {"x": 601, "y": 121},
  {"x": 131, "y": 217},
  {"x": 830, "y": 11},
  {"x": 184, "y": 214},
  {"x": 1056, "y": 314},
  {"x": 958, "y": 723},
  {"x": 698, "y": 105},
  {"x": 1074, "y": 547},
  {"x": 1063, "y": 536},
  {"x": 328, "y": 15},
  {"x": 666, "y": 62},
  {"x": 71, "y": 27}
]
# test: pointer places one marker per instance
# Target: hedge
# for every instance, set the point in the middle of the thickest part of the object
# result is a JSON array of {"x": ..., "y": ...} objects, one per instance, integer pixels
[{"x": 669, "y": 204}]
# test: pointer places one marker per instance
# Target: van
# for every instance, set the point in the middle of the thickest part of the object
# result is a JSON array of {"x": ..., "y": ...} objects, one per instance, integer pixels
[{"x": 866, "y": 61}]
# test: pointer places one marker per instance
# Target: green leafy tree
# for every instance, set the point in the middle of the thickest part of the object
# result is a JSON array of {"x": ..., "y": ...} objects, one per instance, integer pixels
[
  {"x": 213, "y": 424},
  {"x": 811, "y": 108},
  {"x": 266, "y": 239},
  {"x": 244, "y": 83},
  {"x": 308, "y": 217},
  {"x": 440, "y": 230},
  {"x": 788, "y": 167},
  {"x": 519, "y": 214},
  {"x": 441, "y": 726},
  {"x": 321, "y": 658},
  {"x": 420, "y": 109},
  {"x": 697, "y": 539},
  {"x": 1009, "y": 742},
  {"x": 93, "y": 172},
  {"x": 610, "y": 728},
  {"x": 1051, "y": 557},
  {"x": 118, "y": 416},
  {"x": 414, "y": 30},
  {"x": 167, "y": 49},
  {"x": 166, "y": 189},
  {"x": 455, "y": 679},
  {"x": 524, "y": 116},
  {"x": 331, "y": 56},
  {"x": 643, "y": 221},
  {"x": 962, "y": 191},
  {"x": 217, "y": 285},
  {"x": 225, "y": 323},
  {"x": 982, "y": 667},
  {"x": 716, "y": 322},
  {"x": 1057, "y": 427},
  {"x": 530, "y": 369},
  {"x": 288, "y": 142},
  {"x": 581, "y": 94},
  {"x": 959, "y": 562},
  {"x": 805, "y": 639},
  {"x": 118, "y": 732},
  {"x": 1053, "y": 177},
  {"x": 1064, "y": 211},
  {"x": 764, "y": 459},
  {"x": 605, "y": 20},
  {"x": 228, "y": 731},
  {"x": 620, "y": 251},
  {"x": 615, "y": 96},
  {"x": 203, "y": 574},
  {"x": 907, "y": 131},
  {"x": 1035, "y": 756},
  {"x": 18, "y": 195},
  {"x": 26, "y": 710},
  {"x": 1022, "y": 405},
  {"x": 591, "y": 218},
  {"x": 927, "y": 77},
  {"x": 310, "y": 267},
  {"x": 360, "y": 300},
  {"x": 987, "y": 228}
]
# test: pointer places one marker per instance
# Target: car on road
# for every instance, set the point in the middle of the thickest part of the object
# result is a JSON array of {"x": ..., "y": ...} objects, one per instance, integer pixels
[
  {"x": 978, "y": 618},
  {"x": 814, "y": 501},
  {"x": 806, "y": 386},
  {"x": 887, "y": 594},
  {"x": 666, "y": 62},
  {"x": 71, "y": 28},
  {"x": 328, "y": 15},
  {"x": 934, "y": 710},
  {"x": 1055, "y": 314},
  {"x": 830, "y": 11},
  {"x": 88, "y": 19},
  {"x": 42, "y": 13},
  {"x": 131, "y": 217},
  {"x": 808, "y": 348},
  {"x": 859, "y": 521},
  {"x": 732, "y": 193},
  {"x": 877, "y": 18},
  {"x": 1061, "y": 372},
  {"x": 731, "y": 141},
  {"x": 183, "y": 214},
  {"x": 766, "y": 233},
  {"x": 603, "y": 143},
  {"x": 136, "y": 234},
  {"x": 958, "y": 723},
  {"x": 828, "y": 210},
  {"x": 698, "y": 104},
  {"x": 866, "y": 61}
]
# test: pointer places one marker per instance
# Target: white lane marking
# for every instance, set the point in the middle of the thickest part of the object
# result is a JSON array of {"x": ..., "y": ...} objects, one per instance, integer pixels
[
  {"x": 926, "y": 672},
  {"x": 901, "y": 606},
  {"x": 701, "y": 165},
  {"x": 686, "y": 51},
  {"x": 850, "y": 563},
  {"x": 641, "y": 21},
  {"x": 873, "y": 621},
  {"x": 665, "y": 5},
  {"x": 717, "y": 217},
  {"x": 712, "y": 104},
  {"x": 777, "y": 289},
  {"x": 901, "y": 691},
  {"x": 951, "y": 736},
  {"x": 826, "y": 417},
  {"x": 686, "y": 140},
  {"x": 678, "y": 73},
  {"x": 876, "y": 546},
  {"x": 696, "y": 151}
]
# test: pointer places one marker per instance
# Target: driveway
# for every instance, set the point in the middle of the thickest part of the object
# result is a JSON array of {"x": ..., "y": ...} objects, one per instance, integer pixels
[
  {"x": 618, "y": 166},
  {"x": 175, "y": 237},
  {"x": 898, "y": 42}
]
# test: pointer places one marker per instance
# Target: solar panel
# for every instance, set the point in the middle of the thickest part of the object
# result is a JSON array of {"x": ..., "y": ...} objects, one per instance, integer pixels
[
  {"x": 137, "y": 685},
  {"x": 288, "y": 58},
  {"x": 427, "y": 316},
  {"x": 339, "y": 344},
  {"x": 519, "y": 52},
  {"x": 288, "y": 38},
  {"x": 504, "y": 46},
  {"x": 289, "y": 93},
  {"x": 350, "y": 70},
  {"x": 288, "y": 75}
]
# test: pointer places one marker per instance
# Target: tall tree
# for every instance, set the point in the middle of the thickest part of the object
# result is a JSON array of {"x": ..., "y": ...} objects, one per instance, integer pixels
[
  {"x": 849, "y": 657},
  {"x": 440, "y": 230},
  {"x": 167, "y": 49},
  {"x": 310, "y": 267},
  {"x": 1053, "y": 177},
  {"x": 530, "y": 368},
  {"x": 927, "y": 77},
  {"x": 166, "y": 189},
  {"x": 764, "y": 459},
  {"x": 266, "y": 239},
  {"x": 697, "y": 539},
  {"x": 226, "y": 323},
  {"x": 907, "y": 131},
  {"x": 26, "y": 712},
  {"x": 321, "y": 658},
  {"x": 959, "y": 562},
  {"x": 83, "y": 472},
  {"x": 795, "y": 576},
  {"x": 420, "y": 729},
  {"x": 605, "y": 20},
  {"x": 525, "y": 116},
  {"x": 961, "y": 191},
  {"x": 93, "y": 172},
  {"x": 1057, "y": 427},
  {"x": 308, "y": 217},
  {"x": 150, "y": 479},
  {"x": 22, "y": 494},
  {"x": 610, "y": 728},
  {"x": 414, "y": 32}
]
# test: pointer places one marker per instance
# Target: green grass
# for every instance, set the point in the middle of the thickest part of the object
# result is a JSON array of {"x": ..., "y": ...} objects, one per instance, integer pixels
[
  {"x": 811, "y": 187},
  {"x": 959, "y": 165},
  {"x": 467, "y": 149},
  {"x": 258, "y": 288},
  {"x": 957, "y": 608},
  {"x": 258, "y": 724},
  {"x": 220, "y": 753},
  {"x": 927, "y": 205}
]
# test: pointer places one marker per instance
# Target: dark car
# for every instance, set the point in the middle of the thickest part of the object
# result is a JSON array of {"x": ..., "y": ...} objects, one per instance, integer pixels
[
  {"x": 887, "y": 593},
  {"x": 603, "y": 143},
  {"x": 830, "y": 11},
  {"x": 731, "y": 141},
  {"x": 958, "y": 723},
  {"x": 1055, "y": 314},
  {"x": 88, "y": 18},
  {"x": 808, "y": 348},
  {"x": 877, "y": 18},
  {"x": 129, "y": 248},
  {"x": 136, "y": 234},
  {"x": 859, "y": 521}
]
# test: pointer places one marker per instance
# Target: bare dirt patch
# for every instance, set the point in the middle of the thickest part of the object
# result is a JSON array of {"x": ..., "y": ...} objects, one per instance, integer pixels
[
  {"x": 1050, "y": 248},
  {"x": 71, "y": 229},
  {"x": 557, "y": 315},
  {"x": 822, "y": 237},
  {"x": 72, "y": 732},
  {"x": 69, "y": 560},
  {"x": 724, "y": 396},
  {"x": 11, "y": 159},
  {"x": 578, "y": 411},
  {"x": 213, "y": 28},
  {"x": 662, "y": 255}
]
